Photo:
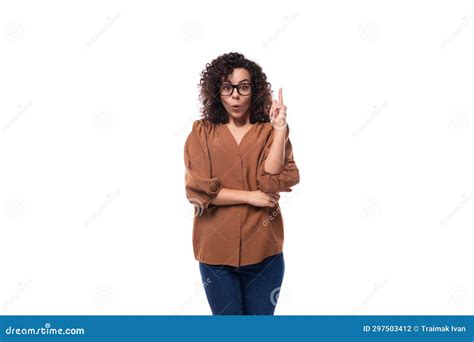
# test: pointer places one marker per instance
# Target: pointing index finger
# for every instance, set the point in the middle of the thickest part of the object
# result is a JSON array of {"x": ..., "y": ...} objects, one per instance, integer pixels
[{"x": 280, "y": 96}]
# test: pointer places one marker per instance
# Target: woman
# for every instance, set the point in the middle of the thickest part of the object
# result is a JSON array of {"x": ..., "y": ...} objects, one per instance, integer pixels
[{"x": 238, "y": 158}]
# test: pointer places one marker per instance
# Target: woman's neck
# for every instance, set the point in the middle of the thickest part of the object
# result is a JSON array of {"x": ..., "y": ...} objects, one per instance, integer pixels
[{"x": 244, "y": 121}]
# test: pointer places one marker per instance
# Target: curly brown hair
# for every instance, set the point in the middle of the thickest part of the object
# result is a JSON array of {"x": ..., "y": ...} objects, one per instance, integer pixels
[{"x": 211, "y": 78}]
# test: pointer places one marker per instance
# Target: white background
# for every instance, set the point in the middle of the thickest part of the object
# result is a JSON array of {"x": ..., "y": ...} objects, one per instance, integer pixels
[{"x": 96, "y": 101}]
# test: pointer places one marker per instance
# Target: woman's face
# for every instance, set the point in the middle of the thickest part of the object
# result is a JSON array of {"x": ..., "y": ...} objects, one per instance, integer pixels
[{"x": 235, "y": 104}]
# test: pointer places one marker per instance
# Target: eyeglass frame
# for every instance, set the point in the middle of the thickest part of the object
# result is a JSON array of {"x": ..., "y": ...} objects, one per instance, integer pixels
[{"x": 236, "y": 86}]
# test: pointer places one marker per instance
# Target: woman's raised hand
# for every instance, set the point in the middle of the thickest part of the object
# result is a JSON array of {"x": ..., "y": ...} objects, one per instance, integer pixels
[{"x": 278, "y": 112}]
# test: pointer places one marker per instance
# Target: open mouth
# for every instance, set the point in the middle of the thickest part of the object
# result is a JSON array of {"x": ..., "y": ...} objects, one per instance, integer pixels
[{"x": 235, "y": 106}]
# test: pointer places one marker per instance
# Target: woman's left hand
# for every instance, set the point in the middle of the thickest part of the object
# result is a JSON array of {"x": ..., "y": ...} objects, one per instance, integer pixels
[{"x": 278, "y": 112}]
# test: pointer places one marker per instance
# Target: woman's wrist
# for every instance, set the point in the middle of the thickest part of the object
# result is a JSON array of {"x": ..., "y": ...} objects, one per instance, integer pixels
[{"x": 245, "y": 196}]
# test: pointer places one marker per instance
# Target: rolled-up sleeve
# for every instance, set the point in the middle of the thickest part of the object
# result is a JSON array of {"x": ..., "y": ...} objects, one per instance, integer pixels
[
  {"x": 287, "y": 176},
  {"x": 200, "y": 186}
]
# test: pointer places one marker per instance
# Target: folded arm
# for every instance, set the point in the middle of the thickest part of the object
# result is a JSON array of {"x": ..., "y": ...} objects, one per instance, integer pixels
[{"x": 277, "y": 169}]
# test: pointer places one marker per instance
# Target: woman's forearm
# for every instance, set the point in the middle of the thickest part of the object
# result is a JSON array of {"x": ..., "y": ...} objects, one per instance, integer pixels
[
  {"x": 230, "y": 196},
  {"x": 276, "y": 155}
]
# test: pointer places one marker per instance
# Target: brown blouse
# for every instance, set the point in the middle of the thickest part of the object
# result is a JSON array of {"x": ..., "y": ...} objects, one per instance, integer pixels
[{"x": 238, "y": 234}]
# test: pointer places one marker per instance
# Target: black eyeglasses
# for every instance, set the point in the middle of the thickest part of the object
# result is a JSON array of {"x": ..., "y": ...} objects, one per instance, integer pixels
[{"x": 243, "y": 89}]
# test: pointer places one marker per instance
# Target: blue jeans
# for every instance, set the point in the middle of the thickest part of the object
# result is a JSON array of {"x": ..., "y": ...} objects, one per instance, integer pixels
[{"x": 245, "y": 290}]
